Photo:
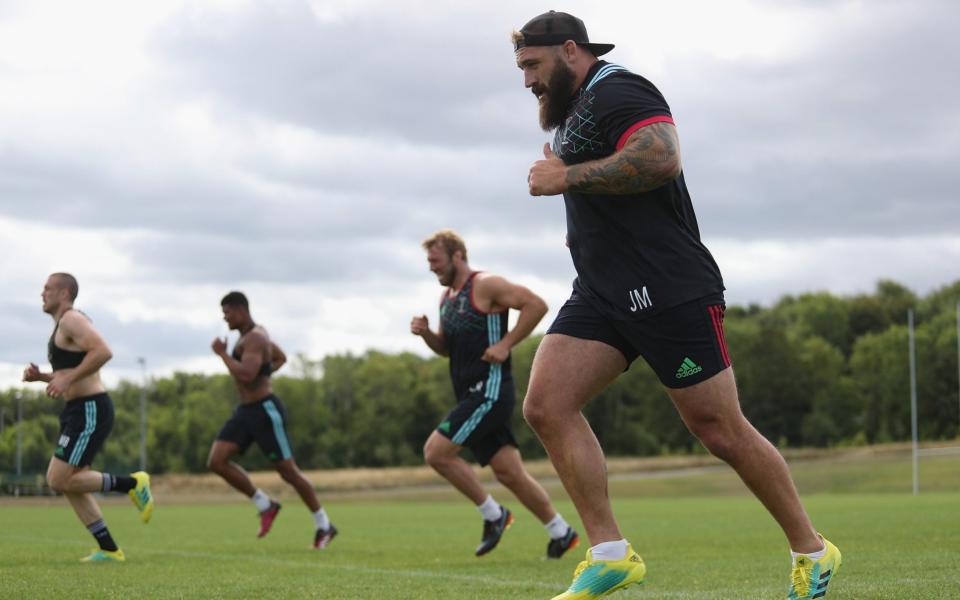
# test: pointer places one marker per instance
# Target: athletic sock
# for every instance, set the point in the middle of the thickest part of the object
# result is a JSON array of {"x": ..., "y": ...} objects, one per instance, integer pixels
[
  {"x": 490, "y": 510},
  {"x": 321, "y": 519},
  {"x": 99, "y": 530},
  {"x": 261, "y": 500},
  {"x": 812, "y": 555},
  {"x": 557, "y": 527},
  {"x": 117, "y": 483},
  {"x": 610, "y": 550}
]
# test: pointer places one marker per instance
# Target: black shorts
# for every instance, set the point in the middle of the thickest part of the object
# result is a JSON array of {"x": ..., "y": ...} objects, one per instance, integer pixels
[
  {"x": 684, "y": 345},
  {"x": 264, "y": 422},
  {"x": 85, "y": 424},
  {"x": 481, "y": 420}
]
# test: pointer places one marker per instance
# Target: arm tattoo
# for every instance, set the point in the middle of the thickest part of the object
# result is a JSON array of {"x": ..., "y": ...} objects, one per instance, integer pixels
[{"x": 650, "y": 158}]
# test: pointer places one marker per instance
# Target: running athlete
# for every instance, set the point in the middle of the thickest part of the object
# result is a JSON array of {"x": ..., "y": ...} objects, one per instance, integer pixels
[
  {"x": 646, "y": 286},
  {"x": 259, "y": 417},
  {"x": 473, "y": 333},
  {"x": 76, "y": 353}
]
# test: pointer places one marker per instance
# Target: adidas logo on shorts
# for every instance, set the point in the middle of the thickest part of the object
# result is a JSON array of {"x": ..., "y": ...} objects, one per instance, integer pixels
[{"x": 688, "y": 368}]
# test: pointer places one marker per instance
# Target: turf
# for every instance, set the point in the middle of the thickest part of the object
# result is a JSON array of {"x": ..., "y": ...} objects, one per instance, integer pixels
[{"x": 696, "y": 546}]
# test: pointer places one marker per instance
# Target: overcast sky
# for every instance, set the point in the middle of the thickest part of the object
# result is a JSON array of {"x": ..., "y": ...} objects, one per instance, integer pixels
[{"x": 168, "y": 152}]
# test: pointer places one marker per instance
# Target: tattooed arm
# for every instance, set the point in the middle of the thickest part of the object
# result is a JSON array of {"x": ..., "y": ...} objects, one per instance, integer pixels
[{"x": 649, "y": 159}]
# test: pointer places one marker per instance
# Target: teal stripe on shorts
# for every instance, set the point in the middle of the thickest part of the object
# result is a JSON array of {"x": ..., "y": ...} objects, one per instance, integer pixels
[{"x": 278, "y": 430}]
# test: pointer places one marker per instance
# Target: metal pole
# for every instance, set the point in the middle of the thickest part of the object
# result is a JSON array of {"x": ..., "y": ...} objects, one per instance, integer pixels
[
  {"x": 958, "y": 366},
  {"x": 143, "y": 414},
  {"x": 913, "y": 402},
  {"x": 19, "y": 398},
  {"x": 3, "y": 410}
]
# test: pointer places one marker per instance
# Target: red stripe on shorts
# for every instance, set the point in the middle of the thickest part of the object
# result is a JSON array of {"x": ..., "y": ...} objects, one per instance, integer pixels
[{"x": 716, "y": 315}]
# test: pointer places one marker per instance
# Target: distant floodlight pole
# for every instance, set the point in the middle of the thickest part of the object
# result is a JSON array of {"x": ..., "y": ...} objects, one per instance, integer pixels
[
  {"x": 143, "y": 413},
  {"x": 19, "y": 397},
  {"x": 913, "y": 402}
]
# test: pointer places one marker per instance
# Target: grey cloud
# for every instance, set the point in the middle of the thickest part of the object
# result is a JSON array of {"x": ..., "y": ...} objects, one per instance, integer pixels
[
  {"x": 25, "y": 332},
  {"x": 426, "y": 80},
  {"x": 27, "y": 329},
  {"x": 854, "y": 139}
]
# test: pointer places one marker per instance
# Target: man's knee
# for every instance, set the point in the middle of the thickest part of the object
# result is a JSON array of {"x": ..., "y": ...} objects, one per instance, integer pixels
[
  {"x": 430, "y": 455},
  {"x": 507, "y": 477},
  {"x": 718, "y": 438},
  {"x": 57, "y": 481},
  {"x": 217, "y": 464},
  {"x": 59, "y": 475},
  {"x": 535, "y": 412},
  {"x": 435, "y": 455}
]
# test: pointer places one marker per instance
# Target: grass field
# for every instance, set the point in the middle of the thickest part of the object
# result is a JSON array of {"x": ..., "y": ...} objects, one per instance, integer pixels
[{"x": 700, "y": 538}]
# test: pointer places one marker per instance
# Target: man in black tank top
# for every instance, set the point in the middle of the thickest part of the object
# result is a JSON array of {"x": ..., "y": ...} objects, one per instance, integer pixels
[
  {"x": 646, "y": 286},
  {"x": 473, "y": 332},
  {"x": 259, "y": 417},
  {"x": 77, "y": 352}
]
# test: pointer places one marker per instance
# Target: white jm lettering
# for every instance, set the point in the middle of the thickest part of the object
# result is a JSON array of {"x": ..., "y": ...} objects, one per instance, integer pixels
[{"x": 639, "y": 299}]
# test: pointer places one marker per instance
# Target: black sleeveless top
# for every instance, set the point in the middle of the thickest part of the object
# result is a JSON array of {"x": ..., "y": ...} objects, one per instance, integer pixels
[
  {"x": 468, "y": 332},
  {"x": 60, "y": 358},
  {"x": 266, "y": 368}
]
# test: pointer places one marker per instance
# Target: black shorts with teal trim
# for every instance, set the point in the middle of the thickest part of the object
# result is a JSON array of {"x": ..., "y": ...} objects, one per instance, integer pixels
[
  {"x": 481, "y": 420},
  {"x": 684, "y": 345},
  {"x": 85, "y": 424},
  {"x": 263, "y": 422}
]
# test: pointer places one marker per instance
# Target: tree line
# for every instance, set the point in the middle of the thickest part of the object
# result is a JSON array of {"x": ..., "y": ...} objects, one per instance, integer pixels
[{"x": 813, "y": 370}]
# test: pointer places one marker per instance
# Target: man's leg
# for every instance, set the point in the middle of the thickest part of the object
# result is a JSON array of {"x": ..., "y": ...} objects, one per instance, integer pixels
[
  {"x": 567, "y": 372},
  {"x": 71, "y": 481},
  {"x": 324, "y": 530},
  {"x": 509, "y": 470},
  {"x": 711, "y": 410},
  {"x": 219, "y": 462},
  {"x": 66, "y": 478},
  {"x": 292, "y": 474},
  {"x": 443, "y": 456}
]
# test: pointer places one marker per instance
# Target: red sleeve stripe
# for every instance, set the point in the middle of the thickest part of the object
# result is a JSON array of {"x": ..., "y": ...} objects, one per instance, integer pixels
[
  {"x": 626, "y": 134},
  {"x": 716, "y": 315}
]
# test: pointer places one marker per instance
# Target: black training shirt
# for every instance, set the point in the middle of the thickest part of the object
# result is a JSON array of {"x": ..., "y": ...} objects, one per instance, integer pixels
[{"x": 635, "y": 254}]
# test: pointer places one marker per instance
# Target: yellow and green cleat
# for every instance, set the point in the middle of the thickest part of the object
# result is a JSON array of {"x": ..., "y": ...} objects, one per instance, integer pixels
[
  {"x": 809, "y": 578},
  {"x": 596, "y": 578},
  {"x": 99, "y": 555},
  {"x": 141, "y": 495}
]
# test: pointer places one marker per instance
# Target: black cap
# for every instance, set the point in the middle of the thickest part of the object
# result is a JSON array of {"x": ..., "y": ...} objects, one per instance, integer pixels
[{"x": 554, "y": 28}]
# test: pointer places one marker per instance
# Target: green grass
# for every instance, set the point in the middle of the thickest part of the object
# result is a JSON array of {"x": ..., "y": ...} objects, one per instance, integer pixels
[{"x": 719, "y": 545}]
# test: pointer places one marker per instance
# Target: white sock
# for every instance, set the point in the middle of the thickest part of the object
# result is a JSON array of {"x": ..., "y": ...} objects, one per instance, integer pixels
[
  {"x": 610, "y": 550},
  {"x": 261, "y": 500},
  {"x": 813, "y": 555},
  {"x": 321, "y": 519},
  {"x": 490, "y": 509},
  {"x": 557, "y": 527}
]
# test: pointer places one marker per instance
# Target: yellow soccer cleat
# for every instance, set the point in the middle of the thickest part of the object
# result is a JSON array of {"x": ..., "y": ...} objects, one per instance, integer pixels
[
  {"x": 141, "y": 496},
  {"x": 809, "y": 578},
  {"x": 596, "y": 578},
  {"x": 104, "y": 556}
]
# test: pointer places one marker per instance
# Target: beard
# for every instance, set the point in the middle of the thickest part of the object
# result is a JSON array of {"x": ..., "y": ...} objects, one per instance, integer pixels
[
  {"x": 447, "y": 277},
  {"x": 555, "y": 97}
]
